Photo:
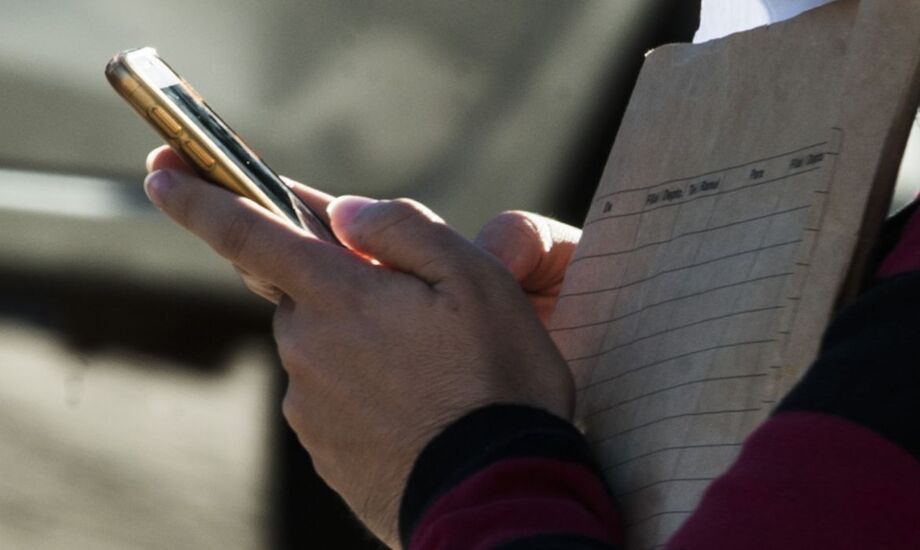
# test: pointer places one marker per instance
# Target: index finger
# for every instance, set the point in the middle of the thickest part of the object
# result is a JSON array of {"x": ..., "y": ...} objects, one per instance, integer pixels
[
  {"x": 252, "y": 237},
  {"x": 317, "y": 200},
  {"x": 164, "y": 158}
]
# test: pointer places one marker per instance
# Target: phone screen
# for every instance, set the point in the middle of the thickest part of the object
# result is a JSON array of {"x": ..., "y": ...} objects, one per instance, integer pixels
[{"x": 221, "y": 135}]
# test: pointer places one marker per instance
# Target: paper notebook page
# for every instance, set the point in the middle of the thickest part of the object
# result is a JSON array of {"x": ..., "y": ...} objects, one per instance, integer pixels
[{"x": 672, "y": 309}]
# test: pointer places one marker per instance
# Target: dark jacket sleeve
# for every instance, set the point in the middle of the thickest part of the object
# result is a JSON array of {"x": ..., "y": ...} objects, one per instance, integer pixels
[{"x": 507, "y": 477}]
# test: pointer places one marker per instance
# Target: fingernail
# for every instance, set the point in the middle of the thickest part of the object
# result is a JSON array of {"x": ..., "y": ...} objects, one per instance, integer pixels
[
  {"x": 157, "y": 184},
  {"x": 345, "y": 208},
  {"x": 152, "y": 155},
  {"x": 148, "y": 162}
]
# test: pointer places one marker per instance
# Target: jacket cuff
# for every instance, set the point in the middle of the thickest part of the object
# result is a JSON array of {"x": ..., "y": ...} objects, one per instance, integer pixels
[{"x": 480, "y": 439}]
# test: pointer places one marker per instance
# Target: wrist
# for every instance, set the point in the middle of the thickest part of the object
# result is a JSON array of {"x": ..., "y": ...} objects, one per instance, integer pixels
[{"x": 481, "y": 440}]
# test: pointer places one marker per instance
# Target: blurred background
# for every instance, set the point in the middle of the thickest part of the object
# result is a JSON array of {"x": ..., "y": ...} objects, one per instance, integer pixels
[{"x": 139, "y": 393}]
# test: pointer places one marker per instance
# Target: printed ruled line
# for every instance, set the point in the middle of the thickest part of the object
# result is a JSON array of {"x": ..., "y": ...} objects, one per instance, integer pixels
[
  {"x": 658, "y": 515},
  {"x": 668, "y": 449},
  {"x": 688, "y": 234},
  {"x": 674, "y": 329},
  {"x": 661, "y": 482},
  {"x": 717, "y": 171},
  {"x": 682, "y": 268},
  {"x": 671, "y": 358},
  {"x": 699, "y": 197},
  {"x": 669, "y": 300},
  {"x": 612, "y": 406},
  {"x": 670, "y": 417}
]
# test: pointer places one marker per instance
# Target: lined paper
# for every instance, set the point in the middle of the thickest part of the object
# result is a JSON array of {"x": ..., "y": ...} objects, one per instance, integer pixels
[{"x": 695, "y": 271}]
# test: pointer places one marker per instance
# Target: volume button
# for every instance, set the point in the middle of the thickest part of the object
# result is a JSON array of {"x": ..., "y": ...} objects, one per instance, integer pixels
[
  {"x": 199, "y": 155},
  {"x": 166, "y": 122}
]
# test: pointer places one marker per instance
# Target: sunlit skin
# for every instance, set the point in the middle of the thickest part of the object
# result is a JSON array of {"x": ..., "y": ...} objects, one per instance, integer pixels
[
  {"x": 536, "y": 250},
  {"x": 380, "y": 358}
]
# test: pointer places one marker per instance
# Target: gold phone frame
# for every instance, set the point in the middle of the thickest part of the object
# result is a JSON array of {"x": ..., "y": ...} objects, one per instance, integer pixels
[{"x": 202, "y": 138}]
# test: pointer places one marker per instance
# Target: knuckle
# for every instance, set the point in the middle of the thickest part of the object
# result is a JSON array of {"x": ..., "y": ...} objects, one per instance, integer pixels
[
  {"x": 263, "y": 289},
  {"x": 187, "y": 204},
  {"x": 235, "y": 239},
  {"x": 387, "y": 217},
  {"x": 522, "y": 222},
  {"x": 510, "y": 226},
  {"x": 448, "y": 263},
  {"x": 290, "y": 350},
  {"x": 184, "y": 207},
  {"x": 402, "y": 210},
  {"x": 386, "y": 212},
  {"x": 406, "y": 206},
  {"x": 289, "y": 347},
  {"x": 398, "y": 212},
  {"x": 259, "y": 286},
  {"x": 290, "y": 408},
  {"x": 514, "y": 218}
]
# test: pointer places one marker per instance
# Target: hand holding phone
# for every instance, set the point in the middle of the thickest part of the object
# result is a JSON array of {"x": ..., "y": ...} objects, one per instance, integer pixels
[{"x": 179, "y": 114}]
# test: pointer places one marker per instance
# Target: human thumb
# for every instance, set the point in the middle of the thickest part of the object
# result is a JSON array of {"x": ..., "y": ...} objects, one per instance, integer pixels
[
  {"x": 534, "y": 248},
  {"x": 402, "y": 234}
]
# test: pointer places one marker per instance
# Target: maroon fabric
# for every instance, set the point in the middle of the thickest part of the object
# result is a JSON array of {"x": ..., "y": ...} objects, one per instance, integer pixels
[
  {"x": 905, "y": 257},
  {"x": 811, "y": 481},
  {"x": 519, "y": 498}
]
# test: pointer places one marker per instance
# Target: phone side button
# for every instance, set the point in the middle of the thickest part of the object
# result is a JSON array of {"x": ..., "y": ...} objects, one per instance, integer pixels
[
  {"x": 167, "y": 123},
  {"x": 199, "y": 155}
]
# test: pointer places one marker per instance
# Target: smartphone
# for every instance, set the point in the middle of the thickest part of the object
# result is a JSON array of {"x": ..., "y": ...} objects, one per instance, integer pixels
[{"x": 180, "y": 115}]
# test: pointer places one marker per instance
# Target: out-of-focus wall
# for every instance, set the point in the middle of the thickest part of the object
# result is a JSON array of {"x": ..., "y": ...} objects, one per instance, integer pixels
[{"x": 98, "y": 454}]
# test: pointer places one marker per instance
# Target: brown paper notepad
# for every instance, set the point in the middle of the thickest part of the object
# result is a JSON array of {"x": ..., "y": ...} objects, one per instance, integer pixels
[{"x": 748, "y": 176}]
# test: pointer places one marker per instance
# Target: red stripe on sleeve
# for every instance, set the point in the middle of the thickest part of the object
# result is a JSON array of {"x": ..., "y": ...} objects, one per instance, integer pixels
[
  {"x": 811, "y": 481},
  {"x": 515, "y": 499}
]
